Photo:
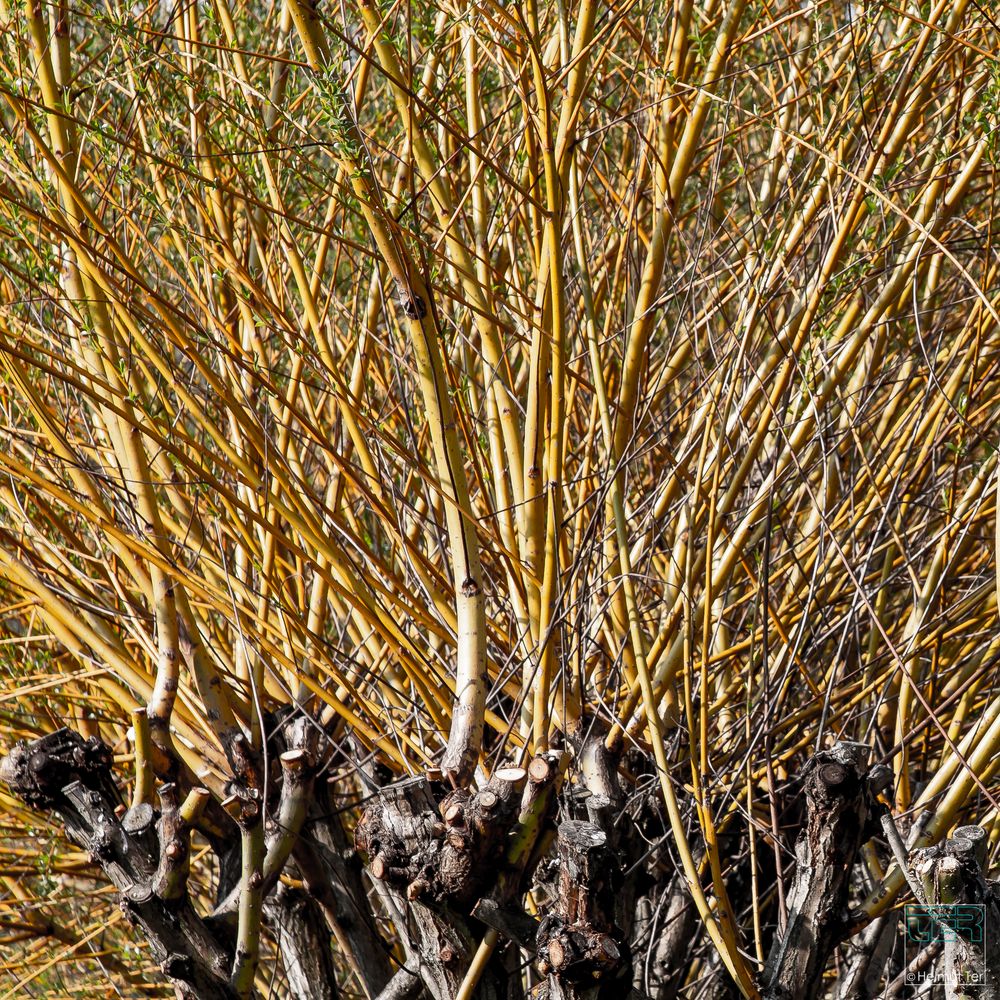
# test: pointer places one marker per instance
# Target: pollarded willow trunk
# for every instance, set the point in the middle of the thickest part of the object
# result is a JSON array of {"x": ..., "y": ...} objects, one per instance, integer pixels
[
  {"x": 554, "y": 881},
  {"x": 966, "y": 907},
  {"x": 72, "y": 776},
  {"x": 439, "y": 908},
  {"x": 839, "y": 819}
]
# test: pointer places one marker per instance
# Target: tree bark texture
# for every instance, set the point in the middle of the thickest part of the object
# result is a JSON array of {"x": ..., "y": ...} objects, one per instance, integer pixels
[
  {"x": 838, "y": 809},
  {"x": 304, "y": 943},
  {"x": 579, "y": 945},
  {"x": 72, "y": 776}
]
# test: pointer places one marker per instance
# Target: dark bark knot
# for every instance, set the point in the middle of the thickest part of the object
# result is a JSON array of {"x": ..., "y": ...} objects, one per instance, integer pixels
[
  {"x": 413, "y": 306},
  {"x": 39, "y": 771}
]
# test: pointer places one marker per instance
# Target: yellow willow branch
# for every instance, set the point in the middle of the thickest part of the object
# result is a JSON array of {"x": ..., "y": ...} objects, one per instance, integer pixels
[{"x": 465, "y": 738}]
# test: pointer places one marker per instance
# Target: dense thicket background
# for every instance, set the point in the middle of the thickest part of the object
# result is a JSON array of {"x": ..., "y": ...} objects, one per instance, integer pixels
[{"x": 633, "y": 363}]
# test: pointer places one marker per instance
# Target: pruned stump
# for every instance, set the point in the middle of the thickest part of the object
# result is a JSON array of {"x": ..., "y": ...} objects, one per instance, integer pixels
[
  {"x": 839, "y": 804},
  {"x": 71, "y": 776},
  {"x": 39, "y": 771},
  {"x": 579, "y": 947},
  {"x": 417, "y": 868}
]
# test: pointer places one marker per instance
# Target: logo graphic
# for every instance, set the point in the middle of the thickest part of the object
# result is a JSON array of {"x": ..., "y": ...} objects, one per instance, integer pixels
[{"x": 932, "y": 928}]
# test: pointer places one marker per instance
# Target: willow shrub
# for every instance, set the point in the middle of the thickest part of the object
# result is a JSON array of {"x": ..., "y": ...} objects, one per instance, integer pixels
[{"x": 484, "y": 383}]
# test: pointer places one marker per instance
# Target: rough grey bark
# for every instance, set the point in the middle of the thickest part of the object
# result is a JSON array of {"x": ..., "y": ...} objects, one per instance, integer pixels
[
  {"x": 424, "y": 878},
  {"x": 448, "y": 866},
  {"x": 605, "y": 807},
  {"x": 579, "y": 945},
  {"x": 864, "y": 975},
  {"x": 72, "y": 776},
  {"x": 661, "y": 940},
  {"x": 145, "y": 855},
  {"x": 403, "y": 985},
  {"x": 839, "y": 805},
  {"x": 511, "y": 921},
  {"x": 334, "y": 874},
  {"x": 304, "y": 944},
  {"x": 331, "y": 872}
]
